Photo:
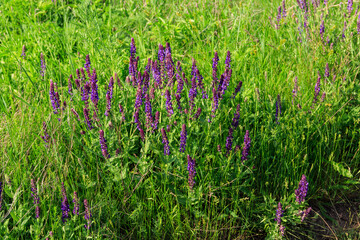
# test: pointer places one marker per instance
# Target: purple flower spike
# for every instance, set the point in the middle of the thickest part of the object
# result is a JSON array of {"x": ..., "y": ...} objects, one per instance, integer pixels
[
  {"x": 192, "y": 171},
  {"x": 85, "y": 93},
  {"x": 156, "y": 121},
  {"x": 350, "y": 6},
  {"x": 94, "y": 89},
  {"x": 284, "y": 9},
  {"x": 43, "y": 66},
  {"x": 192, "y": 93},
  {"x": 136, "y": 119},
  {"x": 142, "y": 134},
  {"x": 344, "y": 29},
  {"x": 235, "y": 121},
  {"x": 179, "y": 79},
  {"x": 46, "y": 136},
  {"x": 279, "y": 214},
  {"x": 214, "y": 67},
  {"x": 148, "y": 111},
  {"x": 327, "y": 70},
  {"x": 165, "y": 141},
  {"x": 35, "y": 195},
  {"x": 53, "y": 98},
  {"x": 301, "y": 192},
  {"x": 183, "y": 137},
  {"x": 178, "y": 100},
  {"x": 104, "y": 148},
  {"x": 317, "y": 88},
  {"x": 132, "y": 48},
  {"x": 23, "y": 53},
  {"x": 76, "y": 114},
  {"x": 323, "y": 97},
  {"x": 228, "y": 60},
  {"x": 229, "y": 141},
  {"x": 197, "y": 114},
  {"x": 65, "y": 208},
  {"x": 246, "y": 148},
  {"x": 76, "y": 201},
  {"x": 87, "y": 65},
  {"x": 169, "y": 65},
  {"x": 87, "y": 119},
  {"x": 138, "y": 100},
  {"x": 358, "y": 24},
  {"x": 70, "y": 85},
  {"x": 121, "y": 110},
  {"x": 108, "y": 104},
  {"x": 278, "y": 17},
  {"x": 304, "y": 213},
  {"x": 322, "y": 29},
  {"x": 169, "y": 107},
  {"x": 282, "y": 229},
  {"x": 237, "y": 89},
  {"x": 87, "y": 215}
]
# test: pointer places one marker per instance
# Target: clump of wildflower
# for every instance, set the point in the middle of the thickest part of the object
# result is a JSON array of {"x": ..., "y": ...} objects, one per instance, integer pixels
[
  {"x": 301, "y": 192},
  {"x": 246, "y": 148},
  {"x": 165, "y": 141},
  {"x": 35, "y": 195},
  {"x": 43, "y": 66},
  {"x": 169, "y": 107},
  {"x": 87, "y": 215},
  {"x": 53, "y": 98},
  {"x": 65, "y": 208},
  {"x": 104, "y": 147},
  {"x": 87, "y": 119},
  {"x": 76, "y": 204},
  {"x": 192, "y": 171},
  {"x": 183, "y": 137},
  {"x": 46, "y": 136}
]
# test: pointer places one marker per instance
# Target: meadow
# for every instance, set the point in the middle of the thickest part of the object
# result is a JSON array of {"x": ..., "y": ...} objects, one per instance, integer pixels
[{"x": 179, "y": 119}]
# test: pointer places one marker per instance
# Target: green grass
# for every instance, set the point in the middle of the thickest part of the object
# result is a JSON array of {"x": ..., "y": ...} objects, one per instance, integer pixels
[{"x": 140, "y": 193}]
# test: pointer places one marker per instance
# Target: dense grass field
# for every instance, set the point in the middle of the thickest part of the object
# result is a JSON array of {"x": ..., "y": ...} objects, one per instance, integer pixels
[{"x": 99, "y": 142}]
